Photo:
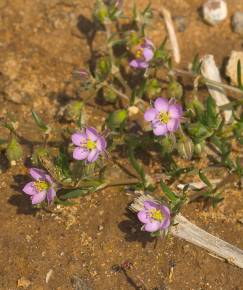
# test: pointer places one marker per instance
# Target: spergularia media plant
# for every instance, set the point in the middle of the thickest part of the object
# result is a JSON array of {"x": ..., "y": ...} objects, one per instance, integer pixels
[{"x": 146, "y": 126}]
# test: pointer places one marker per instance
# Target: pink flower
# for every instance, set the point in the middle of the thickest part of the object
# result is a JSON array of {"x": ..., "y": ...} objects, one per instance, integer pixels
[
  {"x": 144, "y": 53},
  {"x": 43, "y": 187},
  {"x": 89, "y": 145},
  {"x": 154, "y": 216},
  {"x": 164, "y": 117}
]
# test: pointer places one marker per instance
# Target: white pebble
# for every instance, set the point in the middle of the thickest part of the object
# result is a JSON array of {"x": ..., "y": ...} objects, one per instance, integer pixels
[{"x": 214, "y": 11}]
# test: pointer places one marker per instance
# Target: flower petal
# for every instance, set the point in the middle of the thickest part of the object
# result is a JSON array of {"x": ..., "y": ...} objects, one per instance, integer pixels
[
  {"x": 175, "y": 111},
  {"x": 80, "y": 153},
  {"x": 92, "y": 133},
  {"x": 173, "y": 125},
  {"x": 39, "y": 197},
  {"x": 51, "y": 194},
  {"x": 101, "y": 143},
  {"x": 153, "y": 226},
  {"x": 161, "y": 104},
  {"x": 148, "y": 43},
  {"x": 148, "y": 54},
  {"x": 150, "y": 114},
  {"x": 37, "y": 173},
  {"x": 49, "y": 179},
  {"x": 93, "y": 155},
  {"x": 137, "y": 63},
  {"x": 165, "y": 210},
  {"x": 160, "y": 130},
  {"x": 79, "y": 138},
  {"x": 165, "y": 224},
  {"x": 149, "y": 204},
  {"x": 30, "y": 188},
  {"x": 143, "y": 216}
]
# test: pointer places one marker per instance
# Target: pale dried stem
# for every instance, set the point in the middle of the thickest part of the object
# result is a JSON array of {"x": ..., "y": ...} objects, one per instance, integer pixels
[{"x": 171, "y": 33}]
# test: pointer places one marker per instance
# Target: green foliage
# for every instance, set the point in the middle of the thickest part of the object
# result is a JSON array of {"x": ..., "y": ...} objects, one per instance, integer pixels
[{"x": 14, "y": 150}]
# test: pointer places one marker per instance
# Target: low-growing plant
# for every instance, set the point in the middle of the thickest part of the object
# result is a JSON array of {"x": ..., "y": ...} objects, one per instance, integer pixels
[{"x": 151, "y": 120}]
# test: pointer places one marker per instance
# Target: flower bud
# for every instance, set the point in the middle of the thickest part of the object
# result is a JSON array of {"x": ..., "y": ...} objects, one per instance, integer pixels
[
  {"x": 117, "y": 118},
  {"x": 103, "y": 68},
  {"x": 185, "y": 148},
  {"x": 175, "y": 90},
  {"x": 109, "y": 95},
  {"x": 153, "y": 88},
  {"x": 14, "y": 150}
]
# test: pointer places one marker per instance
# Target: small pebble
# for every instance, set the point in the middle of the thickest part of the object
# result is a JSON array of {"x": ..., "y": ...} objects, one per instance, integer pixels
[
  {"x": 214, "y": 11},
  {"x": 237, "y": 22},
  {"x": 180, "y": 23}
]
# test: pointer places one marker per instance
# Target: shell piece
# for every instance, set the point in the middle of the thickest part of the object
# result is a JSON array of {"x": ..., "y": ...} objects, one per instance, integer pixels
[
  {"x": 237, "y": 22},
  {"x": 215, "y": 11},
  {"x": 231, "y": 69},
  {"x": 210, "y": 71}
]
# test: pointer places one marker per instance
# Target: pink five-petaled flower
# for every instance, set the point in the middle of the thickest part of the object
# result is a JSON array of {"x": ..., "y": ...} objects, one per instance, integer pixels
[
  {"x": 43, "y": 187},
  {"x": 89, "y": 145},
  {"x": 144, "y": 53},
  {"x": 165, "y": 116},
  {"x": 154, "y": 216}
]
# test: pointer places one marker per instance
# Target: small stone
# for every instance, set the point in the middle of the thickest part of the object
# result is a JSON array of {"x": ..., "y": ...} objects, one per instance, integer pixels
[
  {"x": 215, "y": 11},
  {"x": 180, "y": 23},
  {"x": 23, "y": 282},
  {"x": 78, "y": 283},
  {"x": 237, "y": 22},
  {"x": 231, "y": 68},
  {"x": 100, "y": 228}
]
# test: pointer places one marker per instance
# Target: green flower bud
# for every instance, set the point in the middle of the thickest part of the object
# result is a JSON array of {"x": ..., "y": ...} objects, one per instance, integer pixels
[
  {"x": 73, "y": 110},
  {"x": 101, "y": 11},
  {"x": 153, "y": 88},
  {"x": 14, "y": 150},
  {"x": 117, "y": 118},
  {"x": 103, "y": 68},
  {"x": 175, "y": 90},
  {"x": 198, "y": 149},
  {"x": 109, "y": 96},
  {"x": 185, "y": 148}
]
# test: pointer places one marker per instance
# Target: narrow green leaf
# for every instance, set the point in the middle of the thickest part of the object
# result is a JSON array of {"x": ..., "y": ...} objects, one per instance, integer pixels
[
  {"x": 169, "y": 193},
  {"x": 239, "y": 75},
  {"x": 39, "y": 122},
  {"x": 204, "y": 178},
  {"x": 135, "y": 164},
  {"x": 74, "y": 193}
]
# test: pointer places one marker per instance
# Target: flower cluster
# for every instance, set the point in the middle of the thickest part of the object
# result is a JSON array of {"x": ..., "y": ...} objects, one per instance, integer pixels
[
  {"x": 41, "y": 188},
  {"x": 89, "y": 145},
  {"x": 154, "y": 216},
  {"x": 143, "y": 53},
  {"x": 165, "y": 116}
]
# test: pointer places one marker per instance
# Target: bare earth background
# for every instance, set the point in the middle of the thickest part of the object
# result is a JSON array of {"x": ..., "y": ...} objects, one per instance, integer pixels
[{"x": 41, "y": 43}]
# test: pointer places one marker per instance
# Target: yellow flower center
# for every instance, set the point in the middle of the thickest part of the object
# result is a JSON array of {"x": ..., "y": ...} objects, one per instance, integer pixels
[
  {"x": 41, "y": 185},
  {"x": 139, "y": 53},
  {"x": 164, "y": 117},
  {"x": 156, "y": 215},
  {"x": 91, "y": 144}
]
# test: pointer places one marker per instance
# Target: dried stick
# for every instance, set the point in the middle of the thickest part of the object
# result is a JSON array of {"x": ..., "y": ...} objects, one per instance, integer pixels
[
  {"x": 195, "y": 235},
  {"x": 171, "y": 33},
  {"x": 210, "y": 71}
]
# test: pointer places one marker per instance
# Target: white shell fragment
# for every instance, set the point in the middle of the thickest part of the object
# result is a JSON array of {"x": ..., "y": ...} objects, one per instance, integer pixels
[
  {"x": 237, "y": 22},
  {"x": 231, "y": 69},
  {"x": 214, "y": 11},
  {"x": 210, "y": 71}
]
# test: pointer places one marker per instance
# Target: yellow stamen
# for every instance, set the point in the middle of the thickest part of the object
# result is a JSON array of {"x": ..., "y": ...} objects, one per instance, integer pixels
[
  {"x": 139, "y": 53},
  {"x": 41, "y": 185},
  {"x": 164, "y": 117},
  {"x": 156, "y": 215},
  {"x": 91, "y": 144}
]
